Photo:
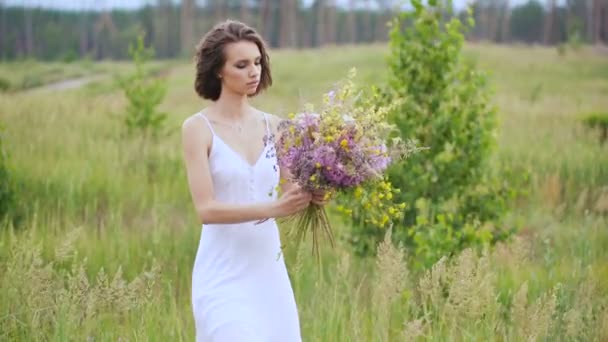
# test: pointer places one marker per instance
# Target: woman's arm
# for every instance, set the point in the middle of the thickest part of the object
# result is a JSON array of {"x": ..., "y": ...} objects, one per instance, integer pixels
[{"x": 196, "y": 140}]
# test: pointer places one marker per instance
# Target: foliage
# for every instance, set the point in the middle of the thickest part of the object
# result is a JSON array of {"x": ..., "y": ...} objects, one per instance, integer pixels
[
  {"x": 527, "y": 22},
  {"x": 453, "y": 200},
  {"x": 574, "y": 36},
  {"x": 598, "y": 121},
  {"x": 70, "y": 154},
  {"x": 143, "y": 121},
  {"x": 57, "y": 298},
  {"x": 144, "y": 95},
  {"x": 5, "y": 85},
  {"x": 6, "y": 193}
]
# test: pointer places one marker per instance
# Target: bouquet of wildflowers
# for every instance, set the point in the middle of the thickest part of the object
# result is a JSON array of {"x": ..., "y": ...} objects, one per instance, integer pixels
[{"x": 342, "y": 147}]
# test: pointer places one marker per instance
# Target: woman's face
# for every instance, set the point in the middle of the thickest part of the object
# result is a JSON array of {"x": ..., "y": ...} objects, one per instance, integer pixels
[{"x": 243, "y": 68}]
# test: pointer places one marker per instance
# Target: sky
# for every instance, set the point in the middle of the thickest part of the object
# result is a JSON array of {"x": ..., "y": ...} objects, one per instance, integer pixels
[{"x": 132, "y": 4}]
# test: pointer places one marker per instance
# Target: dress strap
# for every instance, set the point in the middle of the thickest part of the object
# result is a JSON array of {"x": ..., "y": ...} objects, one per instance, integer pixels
[
  {"x": 267, "y": 124},
  {"x": 208, "y": 122}
]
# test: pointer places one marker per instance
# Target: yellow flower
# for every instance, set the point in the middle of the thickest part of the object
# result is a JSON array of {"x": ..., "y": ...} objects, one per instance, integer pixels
[
  {"x": 358, "y": 192},
  {"x": 318, "y": 165},
  {"x": 329, "y": 138},
  {"x": 313, "y": 177},
  {"x": 344, "y": 143},
  {"x": 384, "y": 219}
]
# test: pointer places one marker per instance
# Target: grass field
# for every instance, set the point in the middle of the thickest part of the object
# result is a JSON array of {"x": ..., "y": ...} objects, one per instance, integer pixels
[{"x": 103, "y": 252}]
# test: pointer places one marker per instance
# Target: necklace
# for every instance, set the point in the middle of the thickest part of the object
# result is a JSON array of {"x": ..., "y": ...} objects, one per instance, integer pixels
[
  {"x": 234, "y": 126},
  {"x": 238, "y": 127}
]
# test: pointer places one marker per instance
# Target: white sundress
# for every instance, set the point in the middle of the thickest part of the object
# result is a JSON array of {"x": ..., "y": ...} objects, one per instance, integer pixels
[{"x": 240, "y": 287}]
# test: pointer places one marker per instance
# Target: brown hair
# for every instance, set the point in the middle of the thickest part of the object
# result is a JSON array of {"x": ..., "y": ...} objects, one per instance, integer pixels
[{"x": 210, "y": 57}]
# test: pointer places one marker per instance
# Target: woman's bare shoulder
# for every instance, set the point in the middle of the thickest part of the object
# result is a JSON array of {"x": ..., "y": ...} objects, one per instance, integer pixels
[{"x": 195, "y": 128}]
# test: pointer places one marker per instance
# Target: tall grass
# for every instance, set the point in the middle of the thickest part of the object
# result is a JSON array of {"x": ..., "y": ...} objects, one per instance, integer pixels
[{"x": 106, "y": 253}]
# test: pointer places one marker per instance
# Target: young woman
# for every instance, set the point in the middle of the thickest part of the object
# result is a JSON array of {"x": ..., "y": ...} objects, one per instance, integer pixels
[{"x": 240, "y": 287}]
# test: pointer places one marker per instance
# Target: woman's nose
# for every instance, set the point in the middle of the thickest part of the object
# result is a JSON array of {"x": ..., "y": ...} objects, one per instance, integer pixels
[{"x": 254, "y": 71}]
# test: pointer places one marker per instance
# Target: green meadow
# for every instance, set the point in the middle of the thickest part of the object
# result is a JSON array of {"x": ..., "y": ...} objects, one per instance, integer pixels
[{"x": 103, "y": 250}]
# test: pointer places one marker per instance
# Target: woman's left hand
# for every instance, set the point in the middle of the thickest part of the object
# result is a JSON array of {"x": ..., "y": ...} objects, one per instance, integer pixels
[{"x": 321, "y": 197}]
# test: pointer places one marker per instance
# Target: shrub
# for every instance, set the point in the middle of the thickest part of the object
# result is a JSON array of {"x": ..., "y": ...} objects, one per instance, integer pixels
[
  {"x": 5, "y": 85},
  {"x": 143, "y": 121},
  {"x": 144, "y": 95},
  {"x": 7, "y": 197},
  {"x": 454, "y": 199},
  {"x": 598, "y": 121}
]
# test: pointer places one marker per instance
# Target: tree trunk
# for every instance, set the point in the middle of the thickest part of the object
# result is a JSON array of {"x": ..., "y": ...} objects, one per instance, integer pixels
[
  {"x": 321, "y": 23},
  {"x": 187, "y": 26},
  {"x": 263, "y": 11},
  {"x": 483, "y": 21},
  {"x": 244, "y": 12},
  {"x": 220, "y": 10},
  {"x": 597, "y": 9},
  {"x": 287, "y": 34},
  {"x": 162, "y": 28},
  {"x": 506, "y": 23},
  {"x": 493, "y": 22},
  {"x": 590, "y": 20},
  {"x": 267, "y": 19},
  {"x": 28, "y": 31},
  {"x": 84, "y": 33},
  {"x": 330, "y": 22},
  {"x": 384, "y": 16},
  {"x": 367, "y": 22},
  {"x": 351, "y": 22},
  {"x": 604, "y": 20},
  {"x": 3, "y": 31},
  {"x": 549, "y": 21}
]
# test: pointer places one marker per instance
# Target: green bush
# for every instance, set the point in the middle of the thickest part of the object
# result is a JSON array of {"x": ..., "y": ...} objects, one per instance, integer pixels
[
  {"x": 5, "y": 85},
  {"x": 454, "y": 200},
  {"x": 7, "y": 197},
  {"x": 598, "y": 121},
  {"x": 143, "y": 121},
  {"x": 144, "y": 95}
]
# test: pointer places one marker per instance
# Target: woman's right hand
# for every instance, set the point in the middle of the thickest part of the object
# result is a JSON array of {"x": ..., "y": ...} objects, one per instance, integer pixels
[{"x": 292, "y": 201}]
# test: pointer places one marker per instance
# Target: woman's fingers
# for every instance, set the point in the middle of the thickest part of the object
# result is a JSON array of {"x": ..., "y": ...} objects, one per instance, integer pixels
[{"x": 321, "y": 197}]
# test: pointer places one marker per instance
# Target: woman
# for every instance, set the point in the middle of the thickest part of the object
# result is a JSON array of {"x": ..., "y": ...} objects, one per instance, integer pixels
[{"x": 240, "y": 287}]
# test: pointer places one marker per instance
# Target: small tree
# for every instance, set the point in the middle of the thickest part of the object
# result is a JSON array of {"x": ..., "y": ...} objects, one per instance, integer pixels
[
  {"x": 453, "y": 197},
  {"x": 144, "y": 94},
  {"x": 598, "y": 121}
]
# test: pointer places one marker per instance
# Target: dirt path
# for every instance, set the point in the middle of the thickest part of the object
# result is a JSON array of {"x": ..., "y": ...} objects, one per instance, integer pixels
[{"x": 66, "y": 84}]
